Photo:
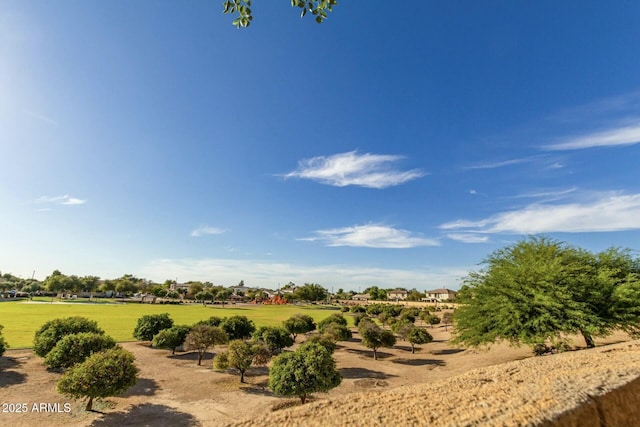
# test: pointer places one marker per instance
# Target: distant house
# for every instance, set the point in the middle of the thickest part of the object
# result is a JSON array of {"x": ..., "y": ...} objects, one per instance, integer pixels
[
  {"x": 240, "y": 290},
  {"x": 179, "y": 286},
  {"x": 438, "y": 295},
  {"x": 397, "y": 295},
  {"x": 361, "y": 297},
  {"x": 148, "y": 298},
  {"x": 236, "y": 298}
]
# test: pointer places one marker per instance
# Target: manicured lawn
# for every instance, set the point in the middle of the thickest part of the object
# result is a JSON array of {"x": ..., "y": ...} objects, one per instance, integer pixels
[{"x": 21, "y": 320}]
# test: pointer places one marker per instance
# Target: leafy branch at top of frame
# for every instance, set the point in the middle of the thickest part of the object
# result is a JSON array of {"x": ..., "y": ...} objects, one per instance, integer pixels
[{"x": 242, "y": 8}]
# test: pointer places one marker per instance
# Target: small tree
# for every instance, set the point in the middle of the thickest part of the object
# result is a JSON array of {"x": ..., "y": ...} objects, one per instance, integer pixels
[
  {"x": 299, "y": 324},
  {"x": 102, "y": 374},
  {"x": 212, "y": 321},
  {"x": 434, "y": 320},
  {"x": 75, "y": 348},
  {"x": 418, "y": 336},
  {"x": 311, "y": 292},
  {"x": 150, "y": 324},
  {"x": 202, "y": 337},
  {"x": 337, "y": 332},
  {"x": 373, "y": 337},
  {"x": 309, "y": 369},
  {"x": 324, "y": 340},
  {"x": 171, "y": 338},
  {"x": 431, "y": 319},
  {"x": 383, "y": 318},
  {"x": 402, "y": 328},
  {"x": 274, "y": 337},
  {"x": 238, "y": 327},
  {"x": 241, "y": 355},
  {"x": 374, "y": 309},
  {"x": 447, "y": 319},
  {"x": 393, "y": 310},
  {"x": 359, "y": 317},
  {"x": 222, "y": 295},
  {"x": 334, "y": 318},
  {"x": 173, "y": 295},
  {"x": 410, "y": 314},
  {"x": 204, "y": 296},
  {"x": 3, "y": 343},
  {"x": 52, "y": 331}
]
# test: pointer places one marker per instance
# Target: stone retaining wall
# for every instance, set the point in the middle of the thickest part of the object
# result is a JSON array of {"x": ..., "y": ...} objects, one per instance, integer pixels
[
  {"x": 594, "y": 387},
  {"x": 620, "y": 407}
]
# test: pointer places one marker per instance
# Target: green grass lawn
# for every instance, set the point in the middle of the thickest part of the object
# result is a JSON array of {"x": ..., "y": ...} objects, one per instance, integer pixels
[{"x": 21, "y": 320}]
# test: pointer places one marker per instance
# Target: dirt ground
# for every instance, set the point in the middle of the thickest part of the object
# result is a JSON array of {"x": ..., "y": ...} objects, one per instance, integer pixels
[{"x": 175, "y": 391}]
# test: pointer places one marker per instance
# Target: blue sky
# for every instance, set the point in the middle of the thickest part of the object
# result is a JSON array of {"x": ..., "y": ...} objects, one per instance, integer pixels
[{"x": 387, "y": 146}]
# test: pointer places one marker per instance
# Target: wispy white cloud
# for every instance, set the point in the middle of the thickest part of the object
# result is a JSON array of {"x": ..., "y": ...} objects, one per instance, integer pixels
[
  {"x": 502, "y": 163},
  {"x": 609, "y": 212},
  {"x": 476, "y": 193},
  {"x": 42, "y": 118},
  {"x": 468, "y": 237},
  {"x": 549, "y": 193},
  {"x": 271, "y": 273},
  {"x": 622, "y": 135},
  {"x": 73, "y": 201},
  {"x": 601, "y": 110},
  {"x": 352, "y": 168},
  {"x": 61, "y": 200},
  {"x": 555, "y": 165},
  {"x": 205, "y": 230},
  {"x": 371, "y": 236}
]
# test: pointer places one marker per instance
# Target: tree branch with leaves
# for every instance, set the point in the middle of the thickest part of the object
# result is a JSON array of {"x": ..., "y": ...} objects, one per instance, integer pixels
[{"x": 242, "y": 9}]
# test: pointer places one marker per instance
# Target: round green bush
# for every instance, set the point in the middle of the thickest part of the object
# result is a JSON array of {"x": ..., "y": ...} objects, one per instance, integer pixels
[{"x": 54, "y": 330}]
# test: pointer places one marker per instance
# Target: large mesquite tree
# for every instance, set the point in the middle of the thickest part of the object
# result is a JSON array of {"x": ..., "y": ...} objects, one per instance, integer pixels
[{"x": 539, "y": 289}]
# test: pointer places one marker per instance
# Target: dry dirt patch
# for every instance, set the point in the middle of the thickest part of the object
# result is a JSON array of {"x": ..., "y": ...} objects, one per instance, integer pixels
[{"x": 174, "y": 391}]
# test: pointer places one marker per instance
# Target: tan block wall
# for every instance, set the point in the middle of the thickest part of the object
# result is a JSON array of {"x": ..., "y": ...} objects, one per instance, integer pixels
[{"x": 620, "y": 407}]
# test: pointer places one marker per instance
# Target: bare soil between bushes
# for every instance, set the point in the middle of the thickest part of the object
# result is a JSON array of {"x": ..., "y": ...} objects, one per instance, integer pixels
[{"x": 174, "y": 391}]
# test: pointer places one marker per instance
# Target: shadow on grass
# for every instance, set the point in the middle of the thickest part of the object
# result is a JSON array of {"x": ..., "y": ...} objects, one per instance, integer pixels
[
  {"x": 144, "y": 387},
  {"x": 419, "y": 362},
  {"x": 147, "y": 415},
  {"x": 447, "y": 351},
  {"x": 352, "y": 373}
]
